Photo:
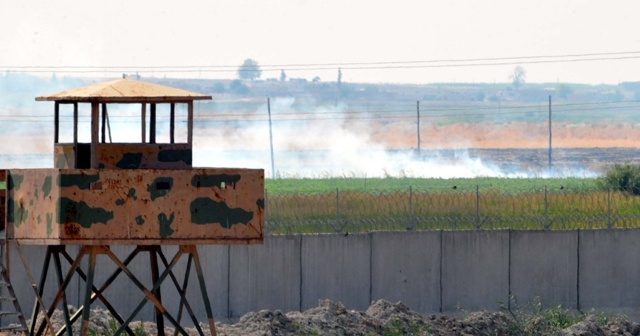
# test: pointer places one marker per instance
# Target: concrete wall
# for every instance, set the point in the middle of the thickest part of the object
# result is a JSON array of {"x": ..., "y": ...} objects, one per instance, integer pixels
[{"x": 431, "y": 272}]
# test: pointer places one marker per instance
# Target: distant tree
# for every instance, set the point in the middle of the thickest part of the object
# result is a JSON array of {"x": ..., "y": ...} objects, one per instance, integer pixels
[
  {"x": 283, "y": 76},
  {"x": 249, "y": 70},
  {"x": 236, "y": 86},
  {"x": 518, "y": 77},
  {"x": 316, "y": 79},
  {"x": 339, "y": 76},
  {"x": 563, "y": 91}
]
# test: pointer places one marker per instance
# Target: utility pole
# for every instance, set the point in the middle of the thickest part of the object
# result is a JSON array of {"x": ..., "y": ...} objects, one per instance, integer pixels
[
  {"x": 273, "y": 166},
  {"x": 550, "y": 136},
  {"x": 418, "y": 116}
]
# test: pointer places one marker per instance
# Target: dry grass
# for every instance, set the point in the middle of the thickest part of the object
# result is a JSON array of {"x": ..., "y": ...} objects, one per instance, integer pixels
[{"x": 447, "y": 210}]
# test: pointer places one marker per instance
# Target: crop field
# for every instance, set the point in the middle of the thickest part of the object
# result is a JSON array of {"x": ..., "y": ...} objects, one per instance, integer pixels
[
  {"x": 361, "y": 205},
  {"x": 284, "y": 186}
]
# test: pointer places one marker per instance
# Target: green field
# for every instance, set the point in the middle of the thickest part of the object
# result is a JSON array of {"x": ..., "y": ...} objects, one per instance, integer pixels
[
  {"x": 312, "y": 186},
  {"x": 503, "y": 185},
  {"x": 362, "y": 205}
]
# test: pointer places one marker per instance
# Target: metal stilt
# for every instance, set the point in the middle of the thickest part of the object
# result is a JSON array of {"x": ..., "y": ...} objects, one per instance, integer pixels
[{"x": 91, "y": 292}]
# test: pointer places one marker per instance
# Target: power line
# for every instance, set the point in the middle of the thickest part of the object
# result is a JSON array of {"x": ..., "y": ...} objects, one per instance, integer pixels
[
  {"x": 408, "y": 110},
  {"x": 412, "y": 110},
  {"x": 492, "y": 61},
  {"x": 348, "y": 115}
]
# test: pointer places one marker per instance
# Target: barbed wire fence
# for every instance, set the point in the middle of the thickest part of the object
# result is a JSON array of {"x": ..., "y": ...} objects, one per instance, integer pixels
[{"x": 365, "y": 211}]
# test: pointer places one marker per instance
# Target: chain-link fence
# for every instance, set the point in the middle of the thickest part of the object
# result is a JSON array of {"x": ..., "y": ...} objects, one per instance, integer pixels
[{"x": 363, "y": 211}]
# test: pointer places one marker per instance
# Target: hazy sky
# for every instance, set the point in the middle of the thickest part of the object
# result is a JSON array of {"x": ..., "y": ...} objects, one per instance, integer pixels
[{"x": 281, "y": 34}]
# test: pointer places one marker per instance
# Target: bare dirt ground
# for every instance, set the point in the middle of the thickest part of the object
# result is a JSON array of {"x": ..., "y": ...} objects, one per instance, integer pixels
[
  {"x": 509, "y": 135},
  {"x": 388, "y": 319},
  {"x": 399, "y": 135}
]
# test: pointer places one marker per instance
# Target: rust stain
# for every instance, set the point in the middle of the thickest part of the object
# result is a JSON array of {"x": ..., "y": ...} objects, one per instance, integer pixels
[{"x": 71, "y": 230}]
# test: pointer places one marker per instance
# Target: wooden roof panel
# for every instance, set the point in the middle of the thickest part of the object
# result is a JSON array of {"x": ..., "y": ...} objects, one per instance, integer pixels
[{"x": 124, "y": 91}]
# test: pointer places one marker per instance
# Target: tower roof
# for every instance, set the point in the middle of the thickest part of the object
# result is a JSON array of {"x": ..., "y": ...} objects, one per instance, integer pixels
[{"x": 125, "y": 91}]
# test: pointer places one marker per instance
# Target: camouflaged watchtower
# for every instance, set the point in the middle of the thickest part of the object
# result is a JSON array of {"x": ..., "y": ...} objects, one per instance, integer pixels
[{"x": 145, "y": 193}]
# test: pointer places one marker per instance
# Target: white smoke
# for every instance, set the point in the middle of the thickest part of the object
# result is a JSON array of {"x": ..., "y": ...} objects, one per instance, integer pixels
[{"x": 332, "y": 145}]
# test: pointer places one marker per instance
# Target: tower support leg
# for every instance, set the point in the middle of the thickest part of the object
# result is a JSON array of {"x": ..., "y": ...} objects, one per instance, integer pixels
[{"x": 91, "y": 292}]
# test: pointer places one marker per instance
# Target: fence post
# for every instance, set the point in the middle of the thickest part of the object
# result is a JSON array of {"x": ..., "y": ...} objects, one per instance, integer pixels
[
  {"x": 410, "y": 201},
  {"x": 337, "y": 203},
  {"x": 546, "y": 209},
  {"x": 478, "y": 206},
  {"x": 609, "y": 220},
  {"x": 273, "y": 164},
  {"x": 339, "y": 220},
  {"x": 411, "y": 218},
  {"x": 266, "y": 210}
]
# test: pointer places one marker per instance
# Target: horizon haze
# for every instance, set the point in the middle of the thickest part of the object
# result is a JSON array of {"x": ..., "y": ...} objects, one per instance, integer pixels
[{"x": 414, "y": 42}]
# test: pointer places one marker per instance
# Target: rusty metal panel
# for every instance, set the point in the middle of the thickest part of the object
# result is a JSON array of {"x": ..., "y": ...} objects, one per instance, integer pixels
[
  {"x": 141, "y": 206},
  {"x": 3, "y": 199},
  {"x": 31, "y": 202},
  {"x": 144, "y": 156},
  {"x": 64, "y": 156}
]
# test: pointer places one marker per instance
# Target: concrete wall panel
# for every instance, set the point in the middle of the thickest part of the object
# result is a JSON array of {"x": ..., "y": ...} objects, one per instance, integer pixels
[
  {"x": 406, "y": 267},
  {"x": 544, "y": 265},
  {"x": 336, "y": 267},
  {"x": 265, "y": 276},
  {"x": 609, "y": 269},
  {"x": 475, "y": 273}
]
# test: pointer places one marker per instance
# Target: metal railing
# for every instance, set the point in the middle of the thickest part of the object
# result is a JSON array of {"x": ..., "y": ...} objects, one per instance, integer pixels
[{"x": 365, "y": 211}]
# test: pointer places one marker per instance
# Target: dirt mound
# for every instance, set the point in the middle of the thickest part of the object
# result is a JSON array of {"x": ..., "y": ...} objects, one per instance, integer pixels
[{"x": 387, "y": 319}]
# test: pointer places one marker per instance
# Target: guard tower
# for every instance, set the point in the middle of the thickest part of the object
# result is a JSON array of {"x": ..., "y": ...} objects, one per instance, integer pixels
[{"x": 146, "y": 194}]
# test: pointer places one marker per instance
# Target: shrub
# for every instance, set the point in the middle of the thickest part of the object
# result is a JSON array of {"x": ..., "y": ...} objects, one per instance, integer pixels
[{"x": 623, "y": 177}]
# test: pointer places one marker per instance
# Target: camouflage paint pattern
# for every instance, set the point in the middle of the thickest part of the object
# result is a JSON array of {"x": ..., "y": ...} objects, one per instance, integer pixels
[
  {"x": 63, "y": 156},
  {"x": 136, "y": 206},
  {"x": 130, "y": 156}
]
